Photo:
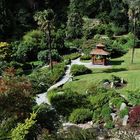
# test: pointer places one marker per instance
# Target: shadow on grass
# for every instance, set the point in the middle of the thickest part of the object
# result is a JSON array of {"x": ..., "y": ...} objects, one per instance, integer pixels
[
  {"x": 116, "y": 62},
  {"x": 114, "y": 70}
]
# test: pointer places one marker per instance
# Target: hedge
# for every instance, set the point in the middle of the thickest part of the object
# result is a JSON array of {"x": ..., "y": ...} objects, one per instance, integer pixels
[{"x": 79, "y": 70}]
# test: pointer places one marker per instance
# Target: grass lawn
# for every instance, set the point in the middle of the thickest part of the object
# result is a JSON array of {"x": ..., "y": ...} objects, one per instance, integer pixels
[{"x": 121, "y": 67}]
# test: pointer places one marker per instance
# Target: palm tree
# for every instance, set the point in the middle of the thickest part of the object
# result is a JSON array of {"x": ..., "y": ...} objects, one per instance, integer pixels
[
  {"x": 133, "y": 12},
  {"x": 45, "y": 21}
]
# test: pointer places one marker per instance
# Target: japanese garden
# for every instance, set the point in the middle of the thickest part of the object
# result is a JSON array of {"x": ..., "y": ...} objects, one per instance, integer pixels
[{"x": 70, "y": 70}]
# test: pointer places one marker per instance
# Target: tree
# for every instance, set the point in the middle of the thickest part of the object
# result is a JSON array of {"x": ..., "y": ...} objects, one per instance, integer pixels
[
  {"x": 45, "y": 21},
  {"x": 31, "y": 44},
  {"x": 16, "y": 96},
  {"x": 74, "y": 26},
  {"x": 22, "y": 130},
  {"x": 133, "y": 13},
  {"x": 118, "y": 14},
  {"x": 75, "y": 21},
  {"x": 5, "y": 51}
]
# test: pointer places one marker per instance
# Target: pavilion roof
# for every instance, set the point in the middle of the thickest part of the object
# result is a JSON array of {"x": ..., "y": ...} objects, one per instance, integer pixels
[
  {"x": 97, "y": 51},
  {"x": 100, "y": 45}
]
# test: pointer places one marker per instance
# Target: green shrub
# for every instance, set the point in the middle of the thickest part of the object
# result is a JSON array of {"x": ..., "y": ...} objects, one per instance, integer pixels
[
  {"x": 118, "y": 30},
  {"x": 47, "y": 117},
  {"x": 25, "y": 130},
  {"x": 116, "y": 102},
  {"x": 65, "y": 102},
  {"x": 79, "y": 70},
  {"x": 100, "y": 29},
  {"x": 85, "y": 57},
  {"x": 102, "y": 114},
  {"x": 71, "y": 56},
  {"x": 134, "y": 97},
  {"x": 123, "y": 112},
  {"x": 81, "y": 115},
  {"x": 105, "y": 113},
  {"x": 67, "y": 61},
  {"x": 90, "y": 32},
  {"x": 44, "y": 56},
  {"x": 98, "y": 100},
  {"x": 43, "y": 78},
  {"x": 30, "y": 45},
  {"x": 109, "y": 124},
  {"x": 97, "y": 115}
]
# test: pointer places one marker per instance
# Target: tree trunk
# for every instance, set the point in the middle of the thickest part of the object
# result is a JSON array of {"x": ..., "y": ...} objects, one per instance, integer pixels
[
  {"x": 134, "y": 31},
  {"x": 49, "y": 42}
]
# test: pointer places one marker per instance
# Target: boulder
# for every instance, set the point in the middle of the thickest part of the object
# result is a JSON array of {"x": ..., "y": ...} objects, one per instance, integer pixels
[{"x": 86, "y": 125}]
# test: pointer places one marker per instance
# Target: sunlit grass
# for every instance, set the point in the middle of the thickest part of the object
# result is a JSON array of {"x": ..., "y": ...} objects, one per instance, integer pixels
[{"x": 122, "y": 67}]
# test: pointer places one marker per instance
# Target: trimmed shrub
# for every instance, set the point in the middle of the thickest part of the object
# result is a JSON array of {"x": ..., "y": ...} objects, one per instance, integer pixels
[
  {"x": 85, "y": 57},
  {"x": 81, "y": 115},
  {"x": 67, "y": 61},
  {"x": 79, "y": 70},
  {"x": 71, "y": 56},
  {"x": 65, "y": 102}
]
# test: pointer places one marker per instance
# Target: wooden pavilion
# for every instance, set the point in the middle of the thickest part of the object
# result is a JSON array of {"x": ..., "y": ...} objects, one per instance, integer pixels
[{"x": 99, "y": 55}]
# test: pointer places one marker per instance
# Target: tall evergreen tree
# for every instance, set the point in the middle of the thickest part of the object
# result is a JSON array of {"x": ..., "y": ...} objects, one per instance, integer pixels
[
  {"x": 75, "y": 21},
  {"x": 45, "y": 22}
]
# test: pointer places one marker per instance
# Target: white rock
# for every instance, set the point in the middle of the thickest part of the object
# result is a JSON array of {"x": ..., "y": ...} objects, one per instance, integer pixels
[
  {"x": 123, "y": 106},
  {"x": 122, "y": 81},
  {"x": 125, "y": 119},
  {"x": 112, "y": 84},
  {"x": 100, "y": 138},
  {"x": 68, "y": 124},
  {"x": 113, "y": 115}
]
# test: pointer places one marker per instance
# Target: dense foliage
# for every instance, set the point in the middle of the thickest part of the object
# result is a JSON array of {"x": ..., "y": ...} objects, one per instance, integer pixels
[
  {"x": 80, "y": 115},
  {"x": 43, "y": 78},
  {"x": 79, "y": 70},
  {"x": 35, "y": 33}
]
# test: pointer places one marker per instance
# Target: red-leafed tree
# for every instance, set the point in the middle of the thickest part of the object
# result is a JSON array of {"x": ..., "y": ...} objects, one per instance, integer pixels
[
  {"x": 134, "y": 115},
  {"x": 16, "y": 97}
]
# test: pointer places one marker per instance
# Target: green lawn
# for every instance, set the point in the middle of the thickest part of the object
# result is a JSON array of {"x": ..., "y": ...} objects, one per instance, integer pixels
[{"x": 120, "y": 67}]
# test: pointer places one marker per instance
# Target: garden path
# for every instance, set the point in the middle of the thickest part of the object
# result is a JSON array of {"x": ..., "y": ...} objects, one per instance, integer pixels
[{"x": 42, "y": 98}]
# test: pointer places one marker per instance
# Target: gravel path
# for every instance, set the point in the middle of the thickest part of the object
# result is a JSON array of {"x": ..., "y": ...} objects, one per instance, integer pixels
[
  {"x": 42, "y": 98},
  {"x": 89, "y": 64}
]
